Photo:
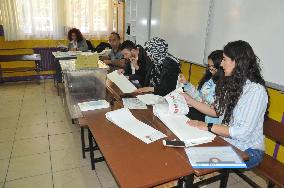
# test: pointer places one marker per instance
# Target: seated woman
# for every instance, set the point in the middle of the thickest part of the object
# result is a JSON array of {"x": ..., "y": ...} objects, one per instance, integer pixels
[
  {"x": 77, "y": 42},
  {"x": 241, "y": 102},
  {"x": 163, "y": 73},
  {"x": 137, "y": 62},
  {"x": 205, "y": 91}
]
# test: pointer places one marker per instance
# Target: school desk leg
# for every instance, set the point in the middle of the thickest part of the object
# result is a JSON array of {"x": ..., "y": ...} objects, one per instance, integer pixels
[
  {"x": 225, "y": 177},
  {"x": 91, "y": 146}
]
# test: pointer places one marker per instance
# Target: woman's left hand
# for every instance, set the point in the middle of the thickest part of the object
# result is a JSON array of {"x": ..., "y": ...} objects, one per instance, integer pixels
[{"x": 198, "y": 124}]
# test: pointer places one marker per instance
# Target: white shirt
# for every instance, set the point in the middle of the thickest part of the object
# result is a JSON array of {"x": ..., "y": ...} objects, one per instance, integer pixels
[{"x": 246, "y": 125}]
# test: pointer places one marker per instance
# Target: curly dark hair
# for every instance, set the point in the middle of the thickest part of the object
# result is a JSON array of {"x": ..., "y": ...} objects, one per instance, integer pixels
[
  {"x": 230, "y": 88},
  {"x": 216, "y": 56},
  {"x": 77, "y": 33}
]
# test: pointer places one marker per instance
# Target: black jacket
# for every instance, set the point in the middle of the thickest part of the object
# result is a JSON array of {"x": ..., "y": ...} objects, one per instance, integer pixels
[
  {"x": 168, "y": 78},
  {"x": 144, "y": 63}
]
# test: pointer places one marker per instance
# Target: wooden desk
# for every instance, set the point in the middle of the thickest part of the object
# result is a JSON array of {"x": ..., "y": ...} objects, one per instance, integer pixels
[
  {"x": 136, "y": 164},
  {"x": 132, "y": 162}
]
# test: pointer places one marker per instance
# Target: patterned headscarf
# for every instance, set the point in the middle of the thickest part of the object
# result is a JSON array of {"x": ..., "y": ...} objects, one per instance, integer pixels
[{"x": 157, "y": 50}]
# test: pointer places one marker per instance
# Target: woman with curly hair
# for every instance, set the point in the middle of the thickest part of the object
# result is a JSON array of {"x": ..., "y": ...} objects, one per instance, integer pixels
[
  {"x": 77, "y": 42},
  {"x": 241, "y": 102}
]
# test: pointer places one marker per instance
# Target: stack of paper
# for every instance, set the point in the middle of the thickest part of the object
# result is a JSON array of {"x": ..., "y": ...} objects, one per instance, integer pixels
[
  {"x": 124, "y": 119},
  {"x": 214, "y": 157},
  {"x": 122, "y": 82},
  {"x": 87, "y": 61},
  {"x": 133, "y": 103},
  {"x": 150, "y": 99},
  {"x": 67, "y": 65},
  {"x": 93, "y": 105},
  {"x": 177, "y": 124}
]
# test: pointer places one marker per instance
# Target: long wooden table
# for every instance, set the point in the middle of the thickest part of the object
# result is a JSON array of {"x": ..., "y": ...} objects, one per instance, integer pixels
[{"x": 136, "y": 164}]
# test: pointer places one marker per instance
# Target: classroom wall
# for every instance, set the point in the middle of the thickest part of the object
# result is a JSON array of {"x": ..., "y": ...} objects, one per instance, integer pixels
[
  {"x": 26, "y": 47},
  {"x": 276, "y": 109}
]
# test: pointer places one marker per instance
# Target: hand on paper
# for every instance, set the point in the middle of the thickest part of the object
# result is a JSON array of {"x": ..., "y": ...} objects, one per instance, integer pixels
[
  {"x": 189, "y": 100},
  {"x": 120, "y": 71},
  {"x": 198, "y": 124},
  {"x": 144, "y": 90},
  {"x": 182, "y": 79}
]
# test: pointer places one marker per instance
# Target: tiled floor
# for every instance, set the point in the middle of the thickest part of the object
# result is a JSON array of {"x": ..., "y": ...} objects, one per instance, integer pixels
[{"x": 39, "y": 147}]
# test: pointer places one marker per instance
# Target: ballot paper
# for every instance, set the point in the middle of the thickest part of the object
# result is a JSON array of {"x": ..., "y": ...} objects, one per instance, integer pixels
[
  {"x": 178, "y": 125},
  {"x": 93, "y": 105},
  {"x": 87, "y": 60},
  {"x": 150, "y": 99},
  {"x": 133, "y": 103},
  {"x": 214, "y": 157},
  {"x": 124, "y": 119},
  {"x": 122, "y": 82},
  {"x": 177, "y": 103}
]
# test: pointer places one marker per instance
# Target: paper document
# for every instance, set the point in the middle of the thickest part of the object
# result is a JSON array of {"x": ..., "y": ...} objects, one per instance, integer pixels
[
  {"x": 177, "y": 103},
  {"x": 177, "y": 124},
  {"x": 93, "y": 105},
  {"x": 150, "y": 99},
  {"x": 214, "y": 157},
  {"x": 122, "y": 82},
  {"x": 133, "y": 103},
  {"x": 124, "y": 119}
]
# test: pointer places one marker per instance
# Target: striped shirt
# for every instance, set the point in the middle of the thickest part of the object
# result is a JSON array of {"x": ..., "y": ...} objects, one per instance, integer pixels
[{"x": 246, "y": 125}]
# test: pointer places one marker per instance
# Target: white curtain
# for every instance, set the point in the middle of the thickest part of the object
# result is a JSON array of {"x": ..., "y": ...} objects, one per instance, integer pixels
[
  {"x": 92, "y": 17},
  {"x": 31, "y": 19},
  {"x": 47, "y": 19}
]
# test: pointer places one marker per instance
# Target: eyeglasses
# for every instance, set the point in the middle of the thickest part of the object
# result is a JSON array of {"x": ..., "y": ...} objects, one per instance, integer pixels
[{"x": 211, "y": 68}]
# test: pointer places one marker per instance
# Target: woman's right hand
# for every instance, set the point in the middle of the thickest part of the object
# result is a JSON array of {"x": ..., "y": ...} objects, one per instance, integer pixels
[
  {"x": 182, "y": 79},
  {"x": 120, "y": 71}
]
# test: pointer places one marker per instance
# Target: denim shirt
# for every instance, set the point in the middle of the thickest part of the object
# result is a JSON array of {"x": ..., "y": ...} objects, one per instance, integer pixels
[{"x": 206, "y": 95}]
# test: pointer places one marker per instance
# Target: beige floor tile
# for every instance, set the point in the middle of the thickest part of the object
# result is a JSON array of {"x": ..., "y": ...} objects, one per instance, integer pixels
[
  {"x": 31, "y": 132},
  {"x": 5, "y": 149},
  {"x": 64, "y": 141},
  {"x": 79, "y": 177},
  {"x": 8, "y": 122},
  {"x": 1, "y": 184},
  {"x": 32, "y": 119},
  {"x": 105, "y": 175},
  {"x": 27, "y": 166},
  {"x": 61, "y": 127},
  {"x": 68, "y": 159},
  {"x": 3, "y": 169},
  {"x": 42, "y": 181},
  {"x": 30, "y": 146},
  {"x": 239, "y": 185},
  {"x": 260, "y": 181},
  {"x": 7, "y": 134}
]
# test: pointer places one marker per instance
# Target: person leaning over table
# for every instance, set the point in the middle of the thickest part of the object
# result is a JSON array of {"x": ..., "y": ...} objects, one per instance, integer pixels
[
  {"x": 241, "y": 101},
  {"x": 115, "y": 57},
  {"x": 77, "y": 41},
  {"x": 205, "y": 92},
  {"x": 162, "y": 75},
  {"x": 137, "y": 62}
]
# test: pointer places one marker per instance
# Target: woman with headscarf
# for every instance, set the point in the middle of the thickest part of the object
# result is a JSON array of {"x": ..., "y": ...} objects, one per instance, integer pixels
[{"x": 162, "y": 75}]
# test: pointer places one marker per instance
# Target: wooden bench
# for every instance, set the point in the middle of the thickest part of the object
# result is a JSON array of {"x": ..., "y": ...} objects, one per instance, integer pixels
[
  {"x": 23, "y": 57},
  {"x": 270, "y": 168}
]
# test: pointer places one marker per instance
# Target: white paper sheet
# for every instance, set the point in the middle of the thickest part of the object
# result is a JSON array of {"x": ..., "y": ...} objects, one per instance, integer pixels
[
  {"x": 214, "y": 157},
  {"x": 133, "y": 103},
  {"x": 124, "y": 119},
  {"x": 122, "y": 82},
  {"x": 177, "y": 124},
  {"x": 150, "y": 99},
  {"x": 93, "y": 105}
]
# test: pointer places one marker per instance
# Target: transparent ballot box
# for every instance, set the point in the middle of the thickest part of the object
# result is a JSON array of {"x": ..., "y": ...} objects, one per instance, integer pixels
[{"x": 83, "y": 85}]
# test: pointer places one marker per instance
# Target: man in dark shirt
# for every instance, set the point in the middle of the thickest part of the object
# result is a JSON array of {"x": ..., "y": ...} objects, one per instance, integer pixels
[
  {"x": 114, "y": 59},
  {"x": 137, "y": 62}
]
